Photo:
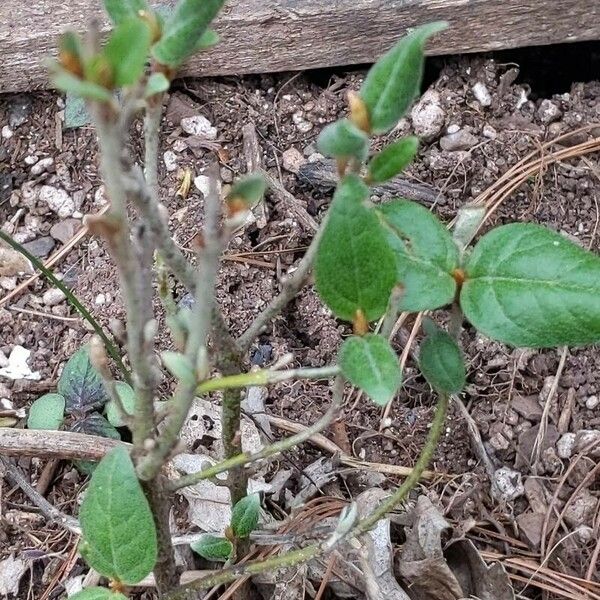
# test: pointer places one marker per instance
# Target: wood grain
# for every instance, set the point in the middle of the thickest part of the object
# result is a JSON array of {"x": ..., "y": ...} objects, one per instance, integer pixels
[{"x": 280, "y": 35}]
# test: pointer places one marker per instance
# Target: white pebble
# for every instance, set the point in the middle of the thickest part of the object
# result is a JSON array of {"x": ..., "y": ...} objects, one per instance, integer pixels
[
  {"x": 31, "y": 159},
  {"x": 301, "y": 123},
  {"x": 428, "y": 116},
  {"x": 292, "y": 160},
  {"x": 53, "y": 296},
  {"x": 202, "y": 183},
  {"x": 482, "y": 94},
  {"x": 57, "y": 200},
  {"x": 507, "y": 484},
  {"x": 565, "y": 445},
  {"x": 592, "y": 402},
  {"x": 489, "y": 132},
  {"x": 170, "y": 159},
  {"x": 100, "y": 300},
  {"x": 7, "y": 132},
  {"x": 42, "y": 166},
  {"x": 200, "y": 126}
]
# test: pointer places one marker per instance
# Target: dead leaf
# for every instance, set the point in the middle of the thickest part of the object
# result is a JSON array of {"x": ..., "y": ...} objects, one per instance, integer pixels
[
  {"x": 12, "y": 570},
  {"x": 17, "y": 367},
  {"x": 13, "y": 263}
]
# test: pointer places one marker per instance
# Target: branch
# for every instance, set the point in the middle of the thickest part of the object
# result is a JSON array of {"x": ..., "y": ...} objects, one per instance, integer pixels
[
  {"x": 273, "y": 449},
  {"x": 289, "y": 289}
]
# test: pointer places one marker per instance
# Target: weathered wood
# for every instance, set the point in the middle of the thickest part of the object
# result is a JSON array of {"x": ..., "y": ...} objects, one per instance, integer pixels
[{"x": 279, "y": 35}]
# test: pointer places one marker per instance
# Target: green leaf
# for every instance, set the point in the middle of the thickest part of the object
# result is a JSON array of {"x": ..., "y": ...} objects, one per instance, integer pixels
[
  {"x": 371, "y": 364},
  {"x": 394, "y": 80},
  {"x": 212, "y": 547},
  {"x": 76, "y": 112},
  {"x": 244, "y": 516},
  {"x": 47, "y": 412},
  {"x": 119, "y": 536},
  {"x": 426, "y": 255},
  {"x": 468, "y": 221},
  {"x": 343, "y": 139},
  {"x": 184, "y": 29},
  {"x": 207, "y": 40},
  {"x": 531, "y": 287},
  {"x": 179, "y": 366},
  {"x": 127, "y": 397},
  {"x": 127, "y": 51},
  {"x": 97, "y": 593},
  {"x": 81, "y": 385},
  {"x": 441, "y": 361},
  {"x": 94, "y": 424},
  {"x": 355, "y": 268},
  {"x": 157, "y": 84},
  {"x": 250, "y": 189},
  {"x": 67, "y": 82},
  {"x": 393, "y": 159},
  {"x": 120, "y": 10}
]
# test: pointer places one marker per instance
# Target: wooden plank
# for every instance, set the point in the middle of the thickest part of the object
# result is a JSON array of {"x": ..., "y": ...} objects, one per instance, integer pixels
[{"x": 279, "y": 35}]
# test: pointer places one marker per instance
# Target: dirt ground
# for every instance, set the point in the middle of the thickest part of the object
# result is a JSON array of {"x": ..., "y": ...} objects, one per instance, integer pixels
[{"x": 479, "y": 118}]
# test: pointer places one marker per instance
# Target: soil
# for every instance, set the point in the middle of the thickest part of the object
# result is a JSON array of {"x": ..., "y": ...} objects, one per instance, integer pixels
[{"x": 506, "y": 388}]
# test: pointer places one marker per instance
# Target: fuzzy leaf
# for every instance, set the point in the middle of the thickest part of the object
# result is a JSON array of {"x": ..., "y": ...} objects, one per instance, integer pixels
[
  {"x": 81, "y": 385},
  {"x": 531, "y": 287},
  {"x": 47, "y": 412},
  {"x": 355, "y": 266},
  {"x": 371, "y": 364},
  {"x": 157, "y": 84},
  {"x": 67, "y": 82},
  {"x": 343, "y": 139},
  {"x": 94, "y": 424},
  {"x": 127, "y": 397},
  {"x": 393, "y": 159},
  {"x": 127, "y": 51},
  {"x": 250, "y": 189},
  {"x": 212, "y": 547},
  {"x": 184, "y": 30},
  {"x": 394, "y": 80},
  {"x": 119, "y": 537},
  {"x": 97, "y": 593},
  {"x": 244, "y": 516},
  {"x": 441, "y": 361},
  {"x": 207, "y": 40},
  {"x": 179, "y": 366},
  {"x": 425, "y": 253},
  {"x": 120, "y": 10}
]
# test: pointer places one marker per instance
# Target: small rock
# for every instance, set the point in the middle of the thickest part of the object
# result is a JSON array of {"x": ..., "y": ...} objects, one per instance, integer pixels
[
  {"x": 489, "y": 132},
  {"x": 584, "y": 534},
  {"x": 581, "y": 509},
  {"x": 428, "y": 116},
  {"x": 200, "y": 126},
  {"x": 530, "y": 528},
  {"x": 527, "y": 442},
  {"x": 528, "y": 407},
  {"x": 3, "y": 360},
  {"x": 565, "y": 445},
  {"x": 170, "y": 159},
  {"x": 53, "y": 296},
  {"x": 8, "y": 283},
  {"x": 30, "y": 159},
  {"x": 7, "y": 132},
  {"x": 592, "y": 402},
  {"x": 482, "y": 94},
  {"x": 64, "y": 230},
  {"x": 40, "y": 247},
  {"x": 19, "y": 110},
  {"x": 548, "y": 112},
  {"x": 507, "y": 484},
  {"x": 100, "y": 198},
  {"x": 453, "y": 128},
  {"x": 293, "y": 159},
  {"x": 499, "y": 442},
  {"x": 41, "y": 166},
  {"x": 588, "y": 440},
  {"x": 180, "y": 145},
  {"x": 302, "y": 125},
  {"x": 536, "y": 495},
  {"x": 226, "y": 175},
  {"x": 202, "y": 183},
  {"x": 57, "y": 200},
  {"x": 461, "y": 140}
]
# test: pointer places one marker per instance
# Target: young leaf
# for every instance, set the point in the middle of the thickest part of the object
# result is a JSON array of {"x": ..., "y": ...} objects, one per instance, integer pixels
[
  {"x": 94, "y": 424},
  {"x": 395, "y": 79},
  {"x": 343, "y": 139},
  {"x": 531, "y": 287},
  {"x": 250, "y": 189},
  {"x": 127, "y": 397},
  {"x": 66, "y": 82},
  {"x": 211, "y": 547},
  {"x": 370, "y": 363},
  {"x": 355, "y": 267},
  {"x": 47, "y": 412},
  {"x": 426, "y": 256},
  {"x": 244, "y": 516},
  {"x": 80, "y": 384},
  {"x": 441, "y": 361},
  {"x": 392, "y": 160},
  {"x": 207, "y": 40},
  {"x": 179, "y": 366},
  {"x": 120, "y": 10},
  {"x": 97, "y": 593},
  {"x": 157, "y": 84},
  {"x": 119, "y": 537},
  {"x": 184, "y": 29},
  {"x": 127, "y": 51}
]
